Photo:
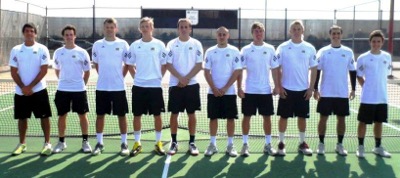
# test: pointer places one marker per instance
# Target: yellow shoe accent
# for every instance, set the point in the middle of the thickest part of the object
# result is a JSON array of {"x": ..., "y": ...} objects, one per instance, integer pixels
[
  {"x": 159, "y": 148},
  {"x": 137, "y": 148},
  {"x": 19, "y": 149}
]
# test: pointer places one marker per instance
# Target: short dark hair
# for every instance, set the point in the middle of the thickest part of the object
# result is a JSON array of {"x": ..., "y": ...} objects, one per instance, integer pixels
[
  {"x": 68, "y": 27},
  {"x": 376, "y": 33},
  {"x": 29, "y": 25},
  {"x": 111, "y": 21},
  {"x": 334, "y": 27}
]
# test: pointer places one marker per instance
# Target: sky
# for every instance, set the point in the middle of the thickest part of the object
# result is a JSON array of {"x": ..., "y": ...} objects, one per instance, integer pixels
[{"x": 297, "y": 9}]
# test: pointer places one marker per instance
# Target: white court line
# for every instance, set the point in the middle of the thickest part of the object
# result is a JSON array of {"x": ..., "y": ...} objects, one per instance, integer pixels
[
  {"x": 166, "y": 166},
  {"x": 6, "y": 108},
  {"x": 386, "y": 124}
]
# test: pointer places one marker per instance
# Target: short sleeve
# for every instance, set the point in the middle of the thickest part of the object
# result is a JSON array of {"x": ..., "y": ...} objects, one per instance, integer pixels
[
  {"x": 13, "y": 59},
  {"x": 199, "y": 52},
  {"x": 86, "y": 61}
]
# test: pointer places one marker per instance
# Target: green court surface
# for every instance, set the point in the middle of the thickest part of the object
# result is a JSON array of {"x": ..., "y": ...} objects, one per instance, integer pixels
[{"x": 72, "y": 163}]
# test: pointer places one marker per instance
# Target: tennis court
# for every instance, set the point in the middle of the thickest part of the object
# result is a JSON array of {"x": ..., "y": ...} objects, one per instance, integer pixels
[{"x": 72, "y": 163}]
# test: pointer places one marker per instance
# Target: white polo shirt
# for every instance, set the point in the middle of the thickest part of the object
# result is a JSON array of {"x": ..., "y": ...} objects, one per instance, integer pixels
[
  {"x": 28, "y": 60},
  {"x": 110, "y": 56},
  {"x": 295, "y": 60},
  {"x": 222, "y": 62},
  {"x": 335, "y": 64},
  {"x": 148, "y": 57},
  {"x": 258, "y": 61},
  {"x": 71, "y": 63},
  {"x": 184, "y": 56},
  {"x": 374, "y": 68}
]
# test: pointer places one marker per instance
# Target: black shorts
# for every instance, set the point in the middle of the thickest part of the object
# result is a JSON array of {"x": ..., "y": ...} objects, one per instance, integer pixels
[
  {"x": 294, "y": 105},
  {"x": 147, "y": 101},
  {"x": 337, "y": 106},
  {"x": 262, "y": 102},
  {"x": 369, "y": 113},
  {"x": 38, "y": 103},
  {"x": 105, "y": 100},
  {"x": 184, "y": 98},
  {"x": 223, "y": 107},
  {"x": 64, "y": 100}
]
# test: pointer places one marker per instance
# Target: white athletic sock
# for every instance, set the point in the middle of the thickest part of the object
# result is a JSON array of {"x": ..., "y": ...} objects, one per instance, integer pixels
[
  {"x": 213, "y": 140},
  {"x": 302, "y": 136},
  {"x": 281, "y": 136},
  {"x": 137, "y": 135},
  {"x": 158, "y": 136},
  {"x": 124, "y": 138},
  {"x": 245, "y": 139},
  {"x": 230, "y": 140},
  {"x": 99, "y": 137},
  {"x": 267, "y": 139}
]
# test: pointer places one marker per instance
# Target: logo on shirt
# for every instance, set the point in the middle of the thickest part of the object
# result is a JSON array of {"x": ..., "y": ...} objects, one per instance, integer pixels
[
  {"x": 206, "y": 60},
  {"x": 278, "y": 56},
  {"x": 352, "y": 61},
  {"x": 361, "y": 68},
  {"x": 275, "y": 58},
  {"x": 85, "y": 63},
  {"x": 252, "y": 50},
  {"x": 44, "y": 57},
  {"x": 265, "y": 52},
  {"x": 34, "y": 52},
  {"x": 176, "y": 46},
  {"x": 128, "y": 55},
  {"x": 62, "y": 54},
  {"x": 343, "y": 55},
  {"x": 198, "y": 52},
  {"x": 315, "y": 57},
  {"x": 94, "y": 54},
  {"x": 170, "y": 54},
  {"x": 236, "y": 59},
  {"x": 384, "y": 62},
  {"x": 371, "y": 60},
  {"x": 56, "y": 61},
  {"x": 303, "y": 51},
  {"x": 227, "y": 55},
  {"x": 152, "y": 48},
  {"x": 102, "y": 46},
  {"x": 163, "y": 55},
  {"x": 116, "y": 49},
  {"x": 242, "y": 58},
  {"x": 73, "y": 56},
  {"x": 15, "y": 59},
  {"x": 190, "y": 48},
  {"x": 139, "y": 47}
]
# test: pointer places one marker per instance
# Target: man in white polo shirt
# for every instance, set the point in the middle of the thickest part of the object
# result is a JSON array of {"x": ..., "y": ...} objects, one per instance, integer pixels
[
  {"x": 184, "y": 62},
  {"x": 221, "y": 69},
  {"x": 336, "y": 62},
  {"x": 29, "y": 63},
  {"x": 296, "y": 57},
  {"x": 109, "y": 56},
  {"x": 373, "y": 67},
  {"x": 72, "y": 67},
  {"x": 146, "y": 60},
  {"x": 258, "y": 59}
]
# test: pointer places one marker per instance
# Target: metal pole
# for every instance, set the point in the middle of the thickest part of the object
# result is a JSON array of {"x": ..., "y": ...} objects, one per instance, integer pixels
[
  {"x": 286, "y": 31},
  {"x": 47, "y": 28},
  {"x": 240, "y": 26},
  {"x": 27, "y": 12},
  {"x": 265, "y": 20},
  {"x": 94, "y": 21},
  {"x": 379, "y": 15},
  {"x": 391, "y": 26},
  {"x": 354, "y": 21},
  {"x": 334, "y": 17}
]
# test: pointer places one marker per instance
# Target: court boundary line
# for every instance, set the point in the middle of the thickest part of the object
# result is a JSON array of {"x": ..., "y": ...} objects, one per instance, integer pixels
[{"x": 166, "y": 166}]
